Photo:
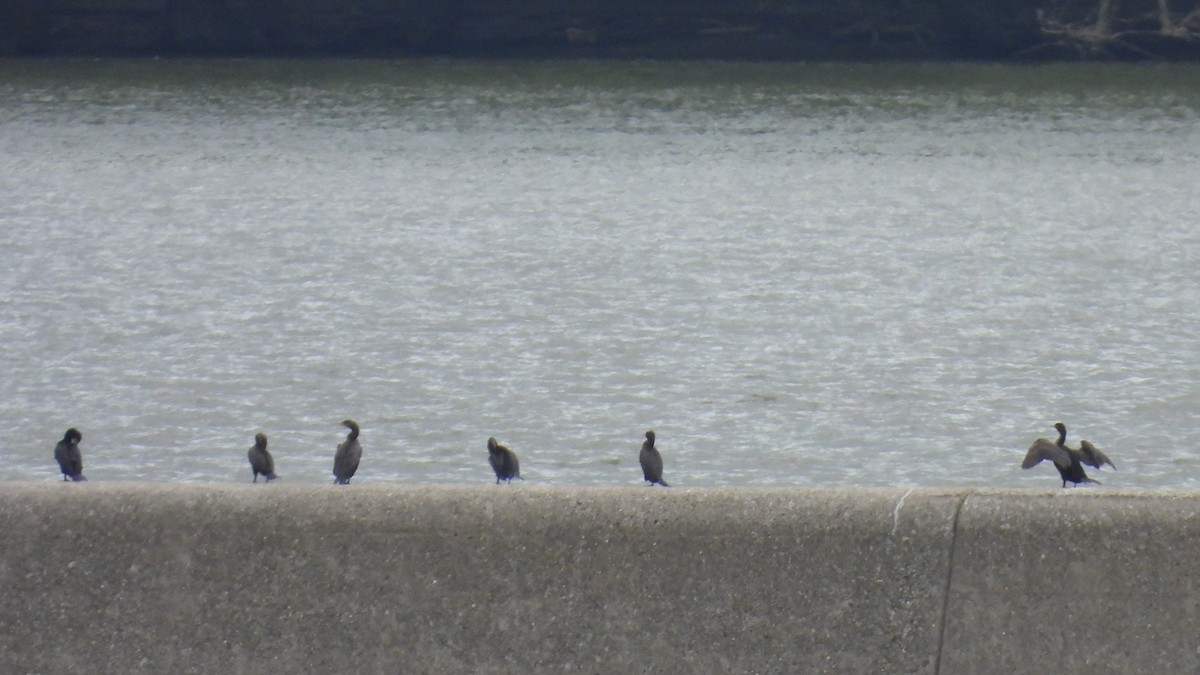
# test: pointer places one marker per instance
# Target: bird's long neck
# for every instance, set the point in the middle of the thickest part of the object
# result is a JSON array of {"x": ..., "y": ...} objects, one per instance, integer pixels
[
  {"x": 1062, "y": 436},
  {"x": 353, "y": 434}
]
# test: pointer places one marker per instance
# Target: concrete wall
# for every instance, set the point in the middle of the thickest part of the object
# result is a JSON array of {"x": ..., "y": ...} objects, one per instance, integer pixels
[{"x": 528, "y": 579}]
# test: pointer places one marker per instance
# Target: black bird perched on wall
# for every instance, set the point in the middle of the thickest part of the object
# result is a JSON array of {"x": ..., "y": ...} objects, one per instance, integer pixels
[
  {"x": 261, "y": 461},
  {"x": 67, "y": 454},
  {"x": 349, "y": 452},
  {"x": 651, "y": 461},
  {"x": 1068, "y": 461},
  {"x": 504, "y": 462}
]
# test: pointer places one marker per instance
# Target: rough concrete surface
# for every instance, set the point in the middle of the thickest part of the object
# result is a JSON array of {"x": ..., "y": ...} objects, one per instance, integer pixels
[
  {"x": 505, "y": 579},
  {"x": 1075, "y": 581},
  {"x": 527, "y": 579}
]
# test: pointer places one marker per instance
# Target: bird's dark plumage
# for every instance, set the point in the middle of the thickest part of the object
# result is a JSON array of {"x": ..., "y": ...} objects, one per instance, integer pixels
[
  {"x": 70, "y": 460},
  {"x": 261, "y": 461},
  {"x": 1068, "y": 461},
  {"x": 651, "y": 461},
  {"x": 504, "y": 462},
  {"x": 349, "y": 452},
  {"x": 1091, "y": 455}
]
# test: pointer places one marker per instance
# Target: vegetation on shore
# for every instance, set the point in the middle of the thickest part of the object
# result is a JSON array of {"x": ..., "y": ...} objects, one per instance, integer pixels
[{"x": 727, "y": 29}]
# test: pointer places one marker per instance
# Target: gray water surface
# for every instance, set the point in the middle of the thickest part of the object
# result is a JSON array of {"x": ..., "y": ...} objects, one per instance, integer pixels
[{"x": 795, "y": 274}]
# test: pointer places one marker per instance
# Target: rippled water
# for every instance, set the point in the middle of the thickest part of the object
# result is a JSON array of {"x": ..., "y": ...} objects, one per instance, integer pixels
[{"x": 795, "y": 274}]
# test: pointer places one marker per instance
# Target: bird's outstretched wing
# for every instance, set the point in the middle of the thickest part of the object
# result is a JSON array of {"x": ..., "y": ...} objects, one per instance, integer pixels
[
  {"x": 1092, "y": 456},
  {"x": 1044, "y": 449}
]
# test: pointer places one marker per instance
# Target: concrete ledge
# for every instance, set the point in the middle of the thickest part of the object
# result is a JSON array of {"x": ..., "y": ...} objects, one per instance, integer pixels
[
  {"x": 516, "y": 579},
  {"x": 1083, "y": 581}
]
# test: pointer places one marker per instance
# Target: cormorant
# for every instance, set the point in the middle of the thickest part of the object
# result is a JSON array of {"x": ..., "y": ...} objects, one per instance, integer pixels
[
  {"x": 1068, "y": 461},
  {"x": 66, "y": 453},
  {"x": 504, "y": 462},
  {"x": 261, "y": 461},
  {"x": 349, "y": 452},
  {"x": 651, "y": 460}
]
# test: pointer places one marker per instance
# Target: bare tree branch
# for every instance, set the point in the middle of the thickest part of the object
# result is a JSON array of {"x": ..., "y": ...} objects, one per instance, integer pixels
[{"x": 1103, "y": 37}]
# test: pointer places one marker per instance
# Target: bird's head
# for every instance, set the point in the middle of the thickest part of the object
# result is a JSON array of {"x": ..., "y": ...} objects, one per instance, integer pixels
[{"x": 260, "y": 439}]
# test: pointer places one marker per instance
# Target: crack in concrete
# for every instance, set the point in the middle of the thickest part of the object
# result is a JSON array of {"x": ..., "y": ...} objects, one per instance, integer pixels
[
  {"x": 941, "y": 643},
  {"x": 896, "y": 511}
]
